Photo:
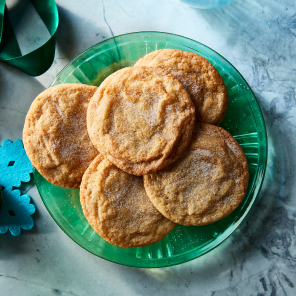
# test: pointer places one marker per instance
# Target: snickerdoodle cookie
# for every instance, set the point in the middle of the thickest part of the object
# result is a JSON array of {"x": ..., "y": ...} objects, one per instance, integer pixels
[
  {"x": 200, "y": 78},
  {"x": 117, "y": 207},
  {"x": 141, "y": 120},
  {"x": 206, "y": 183},
  {"x": 55, "y": 134}
]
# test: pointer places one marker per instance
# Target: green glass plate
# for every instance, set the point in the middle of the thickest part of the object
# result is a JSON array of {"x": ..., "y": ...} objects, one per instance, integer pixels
[{"x": 243, "y": 120}]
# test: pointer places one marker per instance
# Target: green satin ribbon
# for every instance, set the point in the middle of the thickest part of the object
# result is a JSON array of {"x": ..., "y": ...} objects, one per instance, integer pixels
[{"x": 39, "y": 60}]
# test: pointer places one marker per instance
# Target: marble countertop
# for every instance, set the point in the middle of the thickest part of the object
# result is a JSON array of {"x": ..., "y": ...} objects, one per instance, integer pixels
[{"x": 259, "y": 39}]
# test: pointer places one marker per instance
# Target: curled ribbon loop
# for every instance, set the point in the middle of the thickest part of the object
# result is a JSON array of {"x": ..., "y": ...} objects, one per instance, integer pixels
[{"x": 39, "y": 60}]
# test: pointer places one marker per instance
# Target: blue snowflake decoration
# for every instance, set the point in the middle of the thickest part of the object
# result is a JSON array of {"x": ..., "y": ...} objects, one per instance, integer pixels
[
  {"x": 15, "y": 167},
  {"x": 16, "y": 212}
]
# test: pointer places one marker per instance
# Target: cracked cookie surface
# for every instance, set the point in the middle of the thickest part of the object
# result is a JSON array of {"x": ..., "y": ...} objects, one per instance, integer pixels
[
  {"x": 55, "y": 134},
  {"x": 200, "y": 78},
  {"x": 117, "y": 207},
  {"x": 141, "y": 120},
  {"x": 206, "y": 183}
]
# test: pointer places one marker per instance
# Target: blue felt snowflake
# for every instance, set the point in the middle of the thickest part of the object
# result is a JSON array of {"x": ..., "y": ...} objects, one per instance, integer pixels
[
  {"x": 16, "y": 212},
  {"x": 15, "y": 167}
]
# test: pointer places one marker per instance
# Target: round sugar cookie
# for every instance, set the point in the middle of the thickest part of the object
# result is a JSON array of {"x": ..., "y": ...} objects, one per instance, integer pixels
[
  {"x": 200, "y": 78},
  {"x": 117, "y": 207},
  {"x": 141, "y": 120},
  {"x": 206, "y": 183},
  {"x": 55, "y": 134}
]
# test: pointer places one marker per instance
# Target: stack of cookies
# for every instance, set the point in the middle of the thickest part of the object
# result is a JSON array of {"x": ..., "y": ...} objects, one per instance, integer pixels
[{"x": 144, "y": 147}]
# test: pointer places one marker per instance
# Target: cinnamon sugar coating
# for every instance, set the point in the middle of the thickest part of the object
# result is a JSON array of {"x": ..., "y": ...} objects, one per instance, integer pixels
[
  {"x": 141, "y": 120},
  {"x": 200, "y": 78},
  {"x": 117, "y": 207},
  {"x": 55, "y": 135},
  {"x": 206, "y": 183}
]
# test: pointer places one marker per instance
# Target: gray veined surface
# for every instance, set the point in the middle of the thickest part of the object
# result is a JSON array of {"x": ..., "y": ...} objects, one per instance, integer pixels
[{"x": 258, "y": 38}]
